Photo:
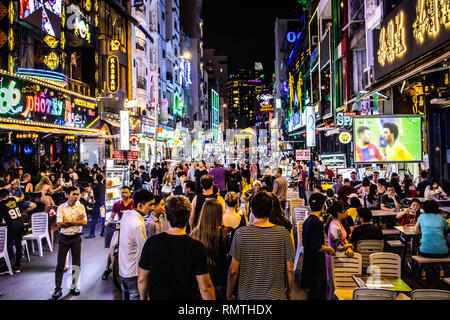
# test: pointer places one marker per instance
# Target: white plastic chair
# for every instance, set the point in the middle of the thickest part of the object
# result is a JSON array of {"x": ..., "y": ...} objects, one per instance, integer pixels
[
  {"x": 25, "y": 246},
  {"x": 388, "y": 264},
  {"x": 4, "y": 248},
  {"x": 430, "y": 294},
  {"x": 373, "y": 294},
  {"x": 366, "y": 248},
  {"x": 39, "y": 229},
  {"x": 343, "y": 268},
  {"x": 299, "y": 243}
]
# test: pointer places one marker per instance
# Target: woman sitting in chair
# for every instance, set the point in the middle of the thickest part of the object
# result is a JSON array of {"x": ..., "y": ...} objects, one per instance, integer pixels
[{"x": 45, "y": 188}]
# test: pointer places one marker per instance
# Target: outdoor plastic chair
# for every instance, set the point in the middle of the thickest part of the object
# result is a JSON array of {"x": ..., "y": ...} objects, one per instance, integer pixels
[
  {"x": 430, "y": 294},
  {"x": 299, "y": 243},
  {"x": 25, "y": 246},
  {"x": 373, "y": 294},
  {"x": 343, "y": 268},
  {"x": 388, "y": 264},
  {"x": 366, "y": 248},
  {"x": 39, "y": 229},
  {"x": 4, "y": 248}
]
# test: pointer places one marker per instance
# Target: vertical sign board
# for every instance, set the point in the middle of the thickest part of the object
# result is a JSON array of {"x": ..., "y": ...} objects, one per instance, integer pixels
[
  {"x": 124, "y": 130},
  {"x": 113, "y": 74},
  {"x": 310, "y": 126},
  {"x": 215, "y": 115}
]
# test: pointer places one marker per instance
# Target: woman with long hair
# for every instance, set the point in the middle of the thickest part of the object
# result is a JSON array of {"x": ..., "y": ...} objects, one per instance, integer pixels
[
  {"x": 45, "y": 188},
  {"x": 337, "y": 237},
  {"x": 434, "y": 191},
  {"x": 409, "y": 187},
  {"x": 278, "y": 217},
  {"x": 372, "y": 200},
  {"x": 365, "y": 188},
  {"x": 214, "y": 235}
]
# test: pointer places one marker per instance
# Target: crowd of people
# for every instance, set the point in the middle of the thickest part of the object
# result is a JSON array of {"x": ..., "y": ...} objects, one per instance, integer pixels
[{"x": 200, "y": 231}]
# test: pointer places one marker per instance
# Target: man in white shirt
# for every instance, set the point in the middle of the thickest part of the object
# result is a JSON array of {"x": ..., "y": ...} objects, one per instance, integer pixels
[
  {"x": 131, "y": 241},
  {"x": 70, "y": 217}
]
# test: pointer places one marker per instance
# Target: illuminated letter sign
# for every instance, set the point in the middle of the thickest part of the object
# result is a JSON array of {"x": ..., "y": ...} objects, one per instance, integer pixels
[
  {"x": 113, "y": 74},
  {"x": 292, "y": 37},
  {"x": 431, "y": 14},
  {"x": 392, "y": 40}
]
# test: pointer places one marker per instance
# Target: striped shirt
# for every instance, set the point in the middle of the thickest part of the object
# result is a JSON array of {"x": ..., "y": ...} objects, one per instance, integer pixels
[{"x": 262, "y": 254}]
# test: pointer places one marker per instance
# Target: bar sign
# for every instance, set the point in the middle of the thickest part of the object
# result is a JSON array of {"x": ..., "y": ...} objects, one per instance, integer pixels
[{"x": 113, "y": 74}]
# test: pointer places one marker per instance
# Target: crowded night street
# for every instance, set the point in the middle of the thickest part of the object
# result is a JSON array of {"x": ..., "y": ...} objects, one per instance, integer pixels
[{"x": 235, "y": 151}]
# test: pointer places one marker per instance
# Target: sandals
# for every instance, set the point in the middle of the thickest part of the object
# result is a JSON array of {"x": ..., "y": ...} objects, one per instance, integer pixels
[{"x": 106, "y": 274}]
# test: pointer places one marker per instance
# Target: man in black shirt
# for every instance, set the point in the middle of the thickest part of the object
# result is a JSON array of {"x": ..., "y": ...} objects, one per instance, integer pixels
[
  {"x": 354, "y": 180},
  {"x": 198, "y": 174},
  {"x": 145, "y": 178},
  {"x": 423, "y": 184},
  {"x": 99, "y": 191},
  {"x": 136, "y": 184},
  {"x": 366, "y": 230},
  {"x": 10, "y": 212},
  {"x": 314, "y": 276},
  {"x": 234, "y": 180},
  {"x": 162, "y": 279}
]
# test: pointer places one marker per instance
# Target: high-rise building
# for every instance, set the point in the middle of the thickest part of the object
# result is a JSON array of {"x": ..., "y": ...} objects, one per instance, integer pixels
[{"x": 243, "y": 86}]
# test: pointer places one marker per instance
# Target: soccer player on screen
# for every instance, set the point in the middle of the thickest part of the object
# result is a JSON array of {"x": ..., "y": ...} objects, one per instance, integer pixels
[
  {"x": 365, "y": 150},
  {"x": 395, "y": 151}
]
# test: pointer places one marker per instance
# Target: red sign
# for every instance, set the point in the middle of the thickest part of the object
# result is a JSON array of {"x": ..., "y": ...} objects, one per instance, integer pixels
[
  {"x": 131, "y": 155},
  {"x": 303, "y": 155}
]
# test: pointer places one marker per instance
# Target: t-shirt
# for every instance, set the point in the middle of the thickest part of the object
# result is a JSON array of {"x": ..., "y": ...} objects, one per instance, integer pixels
[
  {"x": 302, "y": 179},
  {"x": 10, "y": 212},
  {"x": 16, "y": 193},
  {"x": 422, "y": 186},
  {"x": 218, "y": 175},
  {"x": 351, "y": 212},
  {"x": 262, "y": 254},
  {"x": 282, "y": 185},
  {"x": 173, "y": 262},
  {"x": 233, "y": 182},
  {"x": 145, "y": 176},
  {"x": 198, "y": 175},
  {"x": 99, "y": 191},
  {"x": 354, "y": 183},
  {"x": 388, "y": 202},
  {"x": 398, "y": 152},
  {"x": 366, "y": 232},
  {"x": 118, "y": 207},
  {"x": 432, "y": 227},
  {"x": 370, "y": 152}
]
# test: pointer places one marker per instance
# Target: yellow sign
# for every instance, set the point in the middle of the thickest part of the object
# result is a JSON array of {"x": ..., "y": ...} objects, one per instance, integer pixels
[
  {"x": 430, "y": 16},
  {"x": 291, "y": 90},
  {"x": 84, "y": 103},
  {"x": 50, "y": 41},
  {"x": 299, "y": 91},
  {"x": 345, "y": 137},
  {"x": 115, "y": 45},
  {"x": 51, "y": 61},
  {"x": 113, "y": 74},
  {"x": 11, "y": 12},
  {"x": 63, "y": 40},
  {"x": 392, "y": 40},
  {"x": 11, "y": 39}
]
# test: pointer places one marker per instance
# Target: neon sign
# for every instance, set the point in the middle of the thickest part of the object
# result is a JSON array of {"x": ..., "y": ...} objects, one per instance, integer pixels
[
  {"x": 51, "y": 61},
  {"x": 9, "y": 98},
  {"x": 431, "y": 14},
  {"x": 291, "y": 36},
  {"x": 41, "y": 104},
  {"x": 113, "y": 74},
  {"x": 76, "y": 22},
  {"x": 392, "y": 40}
]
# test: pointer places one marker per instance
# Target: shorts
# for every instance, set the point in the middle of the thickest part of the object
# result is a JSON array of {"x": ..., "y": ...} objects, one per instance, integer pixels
[{"x": 24, "y": 205}]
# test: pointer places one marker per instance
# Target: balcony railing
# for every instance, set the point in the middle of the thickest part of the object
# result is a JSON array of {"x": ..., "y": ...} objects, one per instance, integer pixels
[
  {"x": 79, "y": 87},
  {"x": 141, "y": 83}
]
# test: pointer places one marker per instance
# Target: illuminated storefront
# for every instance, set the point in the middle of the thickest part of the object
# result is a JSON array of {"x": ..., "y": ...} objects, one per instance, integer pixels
[{"x": 37, "y": 119}]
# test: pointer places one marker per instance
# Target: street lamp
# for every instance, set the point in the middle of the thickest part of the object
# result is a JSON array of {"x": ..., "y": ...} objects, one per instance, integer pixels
[{"x": 185, "y": 56}]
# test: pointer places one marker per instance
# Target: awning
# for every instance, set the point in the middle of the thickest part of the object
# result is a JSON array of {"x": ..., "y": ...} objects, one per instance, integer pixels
[
  {"x": 19, "y": 125},
  {"x": 402, "y": 77}
]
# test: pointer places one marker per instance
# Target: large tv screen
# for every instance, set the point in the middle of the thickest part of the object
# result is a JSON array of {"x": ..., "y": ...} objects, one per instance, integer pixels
[
  {"x": 387, "y": 139},
  {"x": 44, "y": 14}
]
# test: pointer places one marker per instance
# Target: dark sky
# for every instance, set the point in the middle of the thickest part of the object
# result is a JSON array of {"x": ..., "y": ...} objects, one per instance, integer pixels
[{"x": 244, "y": 29}]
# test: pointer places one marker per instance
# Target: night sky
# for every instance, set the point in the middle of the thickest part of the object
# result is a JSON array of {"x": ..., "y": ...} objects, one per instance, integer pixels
[{"x": 244, "y": 30}]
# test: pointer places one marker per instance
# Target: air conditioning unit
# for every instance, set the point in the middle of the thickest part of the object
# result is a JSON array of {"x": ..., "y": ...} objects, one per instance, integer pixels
[{"x": 314, "y": 40}]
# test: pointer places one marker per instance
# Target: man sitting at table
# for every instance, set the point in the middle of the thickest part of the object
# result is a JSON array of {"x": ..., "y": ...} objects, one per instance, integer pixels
[
  {"x": 15, "y": 191},
  {"x": 366, "y": 230},
  {"x": 25, "y": 185}
]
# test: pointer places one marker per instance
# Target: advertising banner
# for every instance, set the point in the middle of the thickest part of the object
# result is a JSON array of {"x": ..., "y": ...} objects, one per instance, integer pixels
[
  {"x": 303, "y": 155},
  {"x": 310, "y": 126},
  {"x": 124, "y": 130}
]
